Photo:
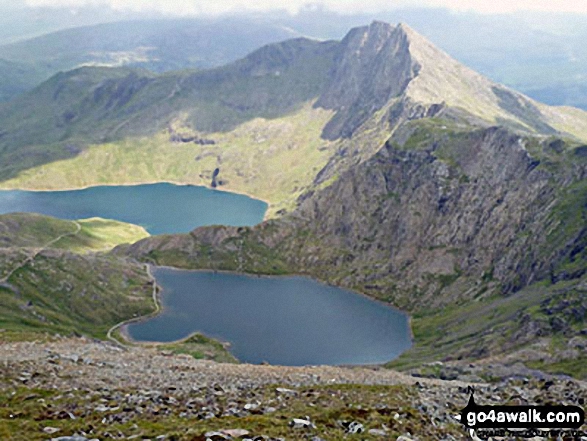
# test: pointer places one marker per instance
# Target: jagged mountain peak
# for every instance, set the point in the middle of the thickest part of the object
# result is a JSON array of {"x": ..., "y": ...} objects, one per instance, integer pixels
[
  {"x": 380, "y": 63},
  {"x": 374, "y": 66}
]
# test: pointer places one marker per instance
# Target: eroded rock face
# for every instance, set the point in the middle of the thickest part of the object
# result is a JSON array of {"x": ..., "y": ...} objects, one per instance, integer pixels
[
  {"x": 458, "y": 206},
  {"x": 374, "y": 65},
  {"x": 418, "y": 225}
]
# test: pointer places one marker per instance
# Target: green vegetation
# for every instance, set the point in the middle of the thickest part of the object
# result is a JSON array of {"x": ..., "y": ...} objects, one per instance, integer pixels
[
  {"x": 567, "y": 218},
  {"x": 99, "y": 105},
  {"x": 98, "y": 234},
  {"x": 65, "y": 293},
  {"x": 324, "y": 405},
  {"x": 501, "y": 325},
  {"x": 200, "y": 347},
  {"x": 30, "y": 230},
  {"x": 46, "y": 287},
  {"x": 242, "y": 253},
  {"x": 274, "y": 160},
  {"x": 574, "y": 367}
]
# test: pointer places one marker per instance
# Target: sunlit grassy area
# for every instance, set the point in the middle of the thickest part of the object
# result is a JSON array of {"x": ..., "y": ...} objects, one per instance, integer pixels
[
  {"x": 270, "y": 159},
  {"x": 98, "y": 234}
]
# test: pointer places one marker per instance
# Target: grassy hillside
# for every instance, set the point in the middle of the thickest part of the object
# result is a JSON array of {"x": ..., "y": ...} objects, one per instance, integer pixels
[
  {"x": 63, "y": 116},
  {"x": 58, "y": 291},
  {"x": 101, "y": 235},
  {"x": 49, "y": 282},
  {"x": 272, "y": 159},
  {"x": 53, "y": 281},
  {"x": 29, "y": 230},
  {"x": 540, "y": 326}
]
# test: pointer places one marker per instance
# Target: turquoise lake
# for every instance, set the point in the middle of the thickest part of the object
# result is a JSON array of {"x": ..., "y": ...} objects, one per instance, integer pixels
[
  {"x": 159, "y": 208},
  {"x": 289, "y": 321}
]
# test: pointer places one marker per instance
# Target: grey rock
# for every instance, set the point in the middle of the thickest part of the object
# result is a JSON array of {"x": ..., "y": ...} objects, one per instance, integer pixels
[
  {"x": 71, "y": 438},
  {"x": 216, "y": 436},
  {"x": 236, "y": 433},
  {"x": 301, "y": 423},
  {"x": 51, "y": 430}
]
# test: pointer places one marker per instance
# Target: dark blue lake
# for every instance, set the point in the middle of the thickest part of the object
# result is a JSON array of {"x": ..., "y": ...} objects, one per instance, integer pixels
[
  {"x": 159, "y": 208},
  {"x": 281, "y": 320}
]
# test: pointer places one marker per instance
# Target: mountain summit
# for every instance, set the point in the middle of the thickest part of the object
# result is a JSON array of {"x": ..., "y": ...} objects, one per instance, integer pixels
[
  {"x": 380, "y": 63},
  {"x": 358, "y": 90}
]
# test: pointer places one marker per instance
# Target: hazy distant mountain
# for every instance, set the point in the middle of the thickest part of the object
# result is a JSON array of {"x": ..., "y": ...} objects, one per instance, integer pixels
[
  {"x": 158, "y": 45},
  {"x": 541, "y": 55},
  {"x": 19, "y": 20}
]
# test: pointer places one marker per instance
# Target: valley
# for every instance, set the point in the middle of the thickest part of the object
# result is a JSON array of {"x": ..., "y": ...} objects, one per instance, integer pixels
[{"x": 376, "y": 164}]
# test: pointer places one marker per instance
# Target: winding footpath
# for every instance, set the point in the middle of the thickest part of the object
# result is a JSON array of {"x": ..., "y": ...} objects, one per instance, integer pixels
[
  {"x": 37, "y": 251},
  {"x": 153, "y": 281}
]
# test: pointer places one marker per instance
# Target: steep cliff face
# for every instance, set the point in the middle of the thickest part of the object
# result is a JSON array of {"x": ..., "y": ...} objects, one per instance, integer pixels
[
  {"x": 472, "y": 205},
  {"x": 440, "y": 214},
  {"x": 374, "y": 65}
]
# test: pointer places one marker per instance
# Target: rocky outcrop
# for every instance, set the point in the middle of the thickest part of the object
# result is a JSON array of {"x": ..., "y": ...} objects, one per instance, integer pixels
[
  {"x": 438, "y": 215},
  {"x": 412, "y": 220},
  {"x": 374, "y": 65}
]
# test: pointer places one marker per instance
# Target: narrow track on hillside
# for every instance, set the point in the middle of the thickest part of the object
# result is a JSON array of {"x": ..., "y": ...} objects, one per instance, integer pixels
[
  {"x": 153, "y": 281},
  {"x": 36, "y": 251}
]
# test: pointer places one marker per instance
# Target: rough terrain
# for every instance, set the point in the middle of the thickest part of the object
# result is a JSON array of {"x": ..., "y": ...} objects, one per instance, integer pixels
[{"x": 78, "y": 386}]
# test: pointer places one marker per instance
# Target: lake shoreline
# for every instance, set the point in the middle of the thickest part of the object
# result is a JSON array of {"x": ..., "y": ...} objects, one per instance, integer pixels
[
  {"x": 136, "y": 184},
  {"x": 125, "y": 334},
  {"x": 160, "y": 208},
  {"x": 276, "y": 276}
]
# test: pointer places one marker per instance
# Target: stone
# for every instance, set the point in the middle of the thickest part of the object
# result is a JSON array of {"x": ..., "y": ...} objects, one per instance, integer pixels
[
  {"x": 352, "y": 426},
  {"x": 71, "y": 438},
  {"x": 236, "y": 433},
  {"x": 216, "y": 436},
  {"x": 51, "y": 430},
  {"x": 300, "y": 423},
  {"x": 284, "y": 391},
  {"x": 377, "y": 432}
]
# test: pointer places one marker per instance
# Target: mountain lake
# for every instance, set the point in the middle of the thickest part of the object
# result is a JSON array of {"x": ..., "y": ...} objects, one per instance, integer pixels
[
  {"x": 280, "y": 320},
  {"x": 289, "y": 321},
  {"x": 159, "y": 208}
]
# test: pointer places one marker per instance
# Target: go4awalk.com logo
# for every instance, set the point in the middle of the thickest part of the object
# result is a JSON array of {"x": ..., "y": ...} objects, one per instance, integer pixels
[{"x": 521, "y": 421}]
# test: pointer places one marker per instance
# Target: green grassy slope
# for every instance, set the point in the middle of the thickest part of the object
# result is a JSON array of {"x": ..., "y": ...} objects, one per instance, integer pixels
[
  {"x": 54, "y": 281},
  {"x": 539, "y": 326},
  {"x": 272, "y": 159},
  {"x": 46, "y": 285},
  {"x": 98, "y": 234},
  {"x": 29, "y": 230},
  {"x": 63, "y": 292},
  {"x": 96, "y": 105}
]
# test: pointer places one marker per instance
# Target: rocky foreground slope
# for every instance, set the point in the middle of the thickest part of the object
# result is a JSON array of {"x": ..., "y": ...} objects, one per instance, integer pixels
[{"x": 99, "y": 391}]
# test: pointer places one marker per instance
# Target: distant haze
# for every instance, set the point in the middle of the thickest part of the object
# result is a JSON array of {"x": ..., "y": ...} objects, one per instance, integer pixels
[{"x": 190, "y": 7}]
